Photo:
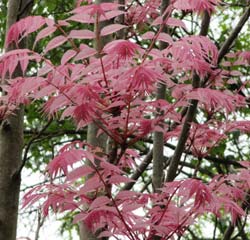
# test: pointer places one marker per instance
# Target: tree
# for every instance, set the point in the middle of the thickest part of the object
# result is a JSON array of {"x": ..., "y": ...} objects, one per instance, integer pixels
[
  {"x": 115, "y": 89},
  {"x": 11, "y": 140}
]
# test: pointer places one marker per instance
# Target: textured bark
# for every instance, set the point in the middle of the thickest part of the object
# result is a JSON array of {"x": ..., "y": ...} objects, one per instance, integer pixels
[
  {"x": 100, "y": 141},
  {"x": 11, "y": 142},
  {"x": 85, "y": 234},
  {"x": 158, "y": 138},
  {"x": 120, "y": 19},
  {"x": 158, "y": 146},
  {"x": 228, "y": 233}
]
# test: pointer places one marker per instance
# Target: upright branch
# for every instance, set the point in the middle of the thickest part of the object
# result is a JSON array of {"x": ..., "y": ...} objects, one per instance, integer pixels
[
  {"x": 92, "y": 138},
  {"x": 234, "y": 34},
  {"x": 99, "y": 43},
  {"x": 196, "y": 82},
  {"x": 158, "y": 142},
  {"x": 143, "y": 166},
  {"x": 175, "y": 160}
]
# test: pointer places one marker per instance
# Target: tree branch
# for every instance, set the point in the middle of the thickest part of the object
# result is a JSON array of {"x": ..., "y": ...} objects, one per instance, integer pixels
[
  {"x": 245, "y": 205},
  {"x": 25, "y": 156},
  {"x": 158, "y": 144},
  {"x": 193, "y": 103},
  {"x": 171, "y": 174},
  {"x": 210, "y": 158},
  {"x": 234, "y": 34},
  {"x": 147, "y": 160}
]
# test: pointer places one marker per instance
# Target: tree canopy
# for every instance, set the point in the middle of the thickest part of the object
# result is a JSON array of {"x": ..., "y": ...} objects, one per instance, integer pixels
[{"x": 145, "y": 109}]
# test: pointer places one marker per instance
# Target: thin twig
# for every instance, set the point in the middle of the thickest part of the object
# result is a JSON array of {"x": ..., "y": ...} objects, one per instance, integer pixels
[
  {"x": 234, "y": 34},
  {"x": 26, "y": 151},
  {"x": 143, "y": 166},
  {"x": 40, "y": 222}
]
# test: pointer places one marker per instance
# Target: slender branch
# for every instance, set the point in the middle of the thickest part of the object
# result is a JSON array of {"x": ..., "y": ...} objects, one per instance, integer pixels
[
  {"x": 145, "y": 187},
  {"x": 147, "y": 160},
  {"x": 40, "y": 222},
  {"x": 215, "y": 227},
  {"x": 245, "y": 205},
  {"x": 211, "y": 158},
  {"x": 171, "y": 174},
  {"x": 241, "y": 230},
  {"x": 234, "y": 34},
  {"x": 130, "y": 233},
  {"x": 193, "y": 103},
  {"x": 53, "y": 133},
  {"x": 227, "y": 235},
  {"x": 25, "y": 156},
  {"x": 158, "y": 145}
]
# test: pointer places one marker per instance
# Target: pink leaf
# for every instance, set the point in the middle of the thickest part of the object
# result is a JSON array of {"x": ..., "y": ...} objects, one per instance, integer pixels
[
  {"x": 111, "y": 29},
  {"x": 79, "y": 172},
  {"x": 82, "y": 34},
  {"x": 99, "y": 202},
  {"x": 235, "y": 73},
  {"x": 24, "y": 61},
  {"x": 176, "y": 22},
  {"x": 129, "y": 207},
  {"x": 245, "y": 164},
  {"x": 67, "y": 56},
  {"x": 44, "y": 33},
  {"x": 85, "y": 52},
  {"x": 157, "y": 21},
  {"x": 124, "y": 49},
  {"x": 24, "y": 27},
  {"x": 82, "y": 18},
  {"x": 55, "y": 42},
  {"x": 45, "y": 69},
  {"x": 196, "y": 6},
  {"x": 110, "y": 167},
  {"x": 124, "y": 195},
  {"x": 164, "y": 37},
  {"x": 111, "y": 14},
  {"x": 106, "y": 6},
  {"x": 90, "y": 185},
  {"x": 148, "y": 35},
  {"x": 117, "y": 179}
]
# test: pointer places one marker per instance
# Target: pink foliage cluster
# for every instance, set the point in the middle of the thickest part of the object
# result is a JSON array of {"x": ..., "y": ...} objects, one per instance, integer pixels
[
  {"x": 128, "y": 213},
  {"x": 116, "y": 91}
]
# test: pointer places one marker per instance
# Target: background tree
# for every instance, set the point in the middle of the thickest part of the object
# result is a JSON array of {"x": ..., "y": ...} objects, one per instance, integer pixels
[{"x": 11, "y": 141}]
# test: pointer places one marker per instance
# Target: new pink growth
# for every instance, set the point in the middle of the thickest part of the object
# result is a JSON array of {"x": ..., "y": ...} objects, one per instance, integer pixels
[{"x": 121, "y": 49}]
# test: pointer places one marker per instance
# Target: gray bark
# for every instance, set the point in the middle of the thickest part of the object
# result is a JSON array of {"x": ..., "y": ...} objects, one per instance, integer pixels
[
  {"x": 158, "y": 146},
  {"x": 11, "y": 142},
  {"x": 85, "y": 234},
  {"x": 158, "y": 140},
  {"x": 92, "y": 138}
]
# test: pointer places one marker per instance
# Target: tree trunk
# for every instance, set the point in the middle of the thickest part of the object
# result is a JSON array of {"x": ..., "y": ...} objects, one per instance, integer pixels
[
  {"x": 158, "y": 145},
  {"x": 100, "y": 141},
  {"x": 11, "y": 143}
]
